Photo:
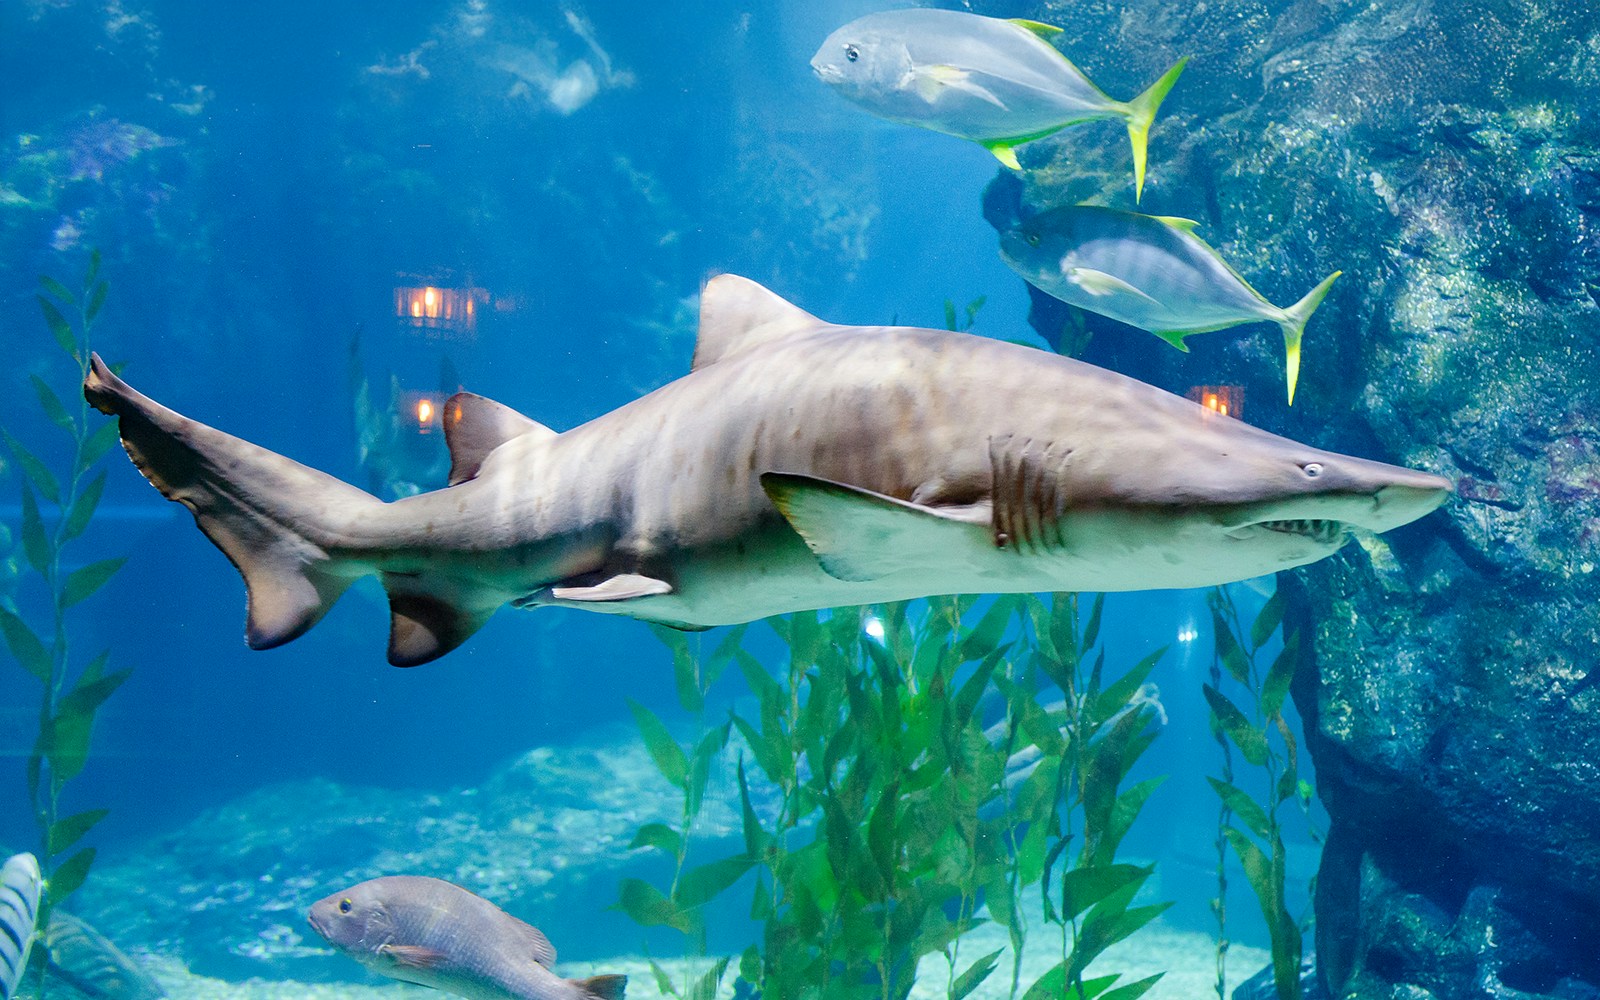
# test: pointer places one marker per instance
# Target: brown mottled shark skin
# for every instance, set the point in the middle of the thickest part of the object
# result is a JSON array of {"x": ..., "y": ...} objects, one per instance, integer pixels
[{"x": 800, "y": 464}]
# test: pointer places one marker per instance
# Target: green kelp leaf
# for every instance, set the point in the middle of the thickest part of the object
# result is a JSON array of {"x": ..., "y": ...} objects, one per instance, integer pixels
[
  {"x": 1050, "y": 986},
  {"x": 51, "y": 404},
  {"x": 68, "y": 831},
  {"x": 686, "y": 676},
  {"x": 660, "y": 836},
  {"x": 95, "y": 668},
  {"x": 1126, "y": 810},
  {"x": 750, "y": 966},
  {"x": 38, "y": 473},
  {"x": 984, "y": 637},
  {"x": 971, "y": 691},
  {"x": 25, "y": 645},
  {"x": 59, "y": 327},
  {"x": 881, "y": 833},
  {"x": 1227, "y": 647},
  {"x": 1082, "y": 888},
  {"x": 1243, "y": 806},
  {"x": 93, "y": 270},
  {"x": 700, "y": 885},
  {"x": 83, "y": 582},
  {"x": 67, "y": 741},
  {"x": 53, "y": 287},
  {"x": 66, "y": 877},
  {"x": 1276, "y": 687},
  {"x": 1091, "y": 631},
  {"x": 97, "y": 301},
  {"x": 1268, "y": 620},
  {"x": 950, "y": 316},
  {"x": 705, "y": 755},
  {"x": 705, "y": 988},
  {"x": 664, "y": 984},
  {"x": 768, "y": 692},
  {"x": 1109, "y": 923},
  {"x": 1251, "y": 741},
  {"x": 99, "y": 443},
  {"x": 761, "y": 907},
  {"x": 976, "y": 973},
  {"x": 1120, "y": 693},
  {"x": 725, "y": 653},
  {"x": 1134, "y": 990},
  {"x": 1064, "y": 631},
  {"x": 1258, "y": 871},
  {"x": 83, "y": 508},
  {"x": 769, "y": 749},
  {"x": 664, "y": 750},
  {"x": 648, "y": 907},
  {"x": 755, "y": 837},
  {"x": 35, "y": 542},
  {"x": 806, "y": 637}
]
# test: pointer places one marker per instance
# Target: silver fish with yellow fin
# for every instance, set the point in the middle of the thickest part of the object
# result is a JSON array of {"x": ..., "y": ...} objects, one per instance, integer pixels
[
  {"x": 998, "y": 83},
  {"x": 1148, "y": 271},
  {"x": 434, "y": 933},
  {"x": 20, "y": 886}
]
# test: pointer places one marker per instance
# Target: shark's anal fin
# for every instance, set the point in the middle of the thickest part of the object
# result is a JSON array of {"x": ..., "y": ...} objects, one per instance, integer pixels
[
  {"x": 622, "y": 587},
  {"x": 1027, "y": 492},
  {"x": 858, "y": 535},
  {"x": 424, "y": 626},
  {"x": 474, "y": 426}
]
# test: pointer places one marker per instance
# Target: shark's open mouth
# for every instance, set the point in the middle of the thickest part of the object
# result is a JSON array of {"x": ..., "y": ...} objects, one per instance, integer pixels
[{"x": 1317, "y": 529}]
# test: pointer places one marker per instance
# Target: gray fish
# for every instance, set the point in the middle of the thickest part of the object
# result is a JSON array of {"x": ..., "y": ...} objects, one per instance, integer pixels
[
  {"x": 998, "y": 83},
  {"x": 433, "y": 933},
  {"x": 20, "y": 885},
  {"x": 1148, "y": 271},
  {"x": 84, "y": 958},
  {"x": 800, "y": 464}
]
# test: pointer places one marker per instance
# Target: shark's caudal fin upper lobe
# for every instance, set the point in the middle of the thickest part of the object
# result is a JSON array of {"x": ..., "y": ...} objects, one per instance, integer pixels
[{"x": 284, "y": 526}]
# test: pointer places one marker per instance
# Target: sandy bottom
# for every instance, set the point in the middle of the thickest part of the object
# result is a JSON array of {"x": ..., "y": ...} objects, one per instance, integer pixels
[{"x": 1188, "y": 957}]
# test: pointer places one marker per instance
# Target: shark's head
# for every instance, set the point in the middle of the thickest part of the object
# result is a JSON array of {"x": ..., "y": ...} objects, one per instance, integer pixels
[{"x": 1199, "y": 497}]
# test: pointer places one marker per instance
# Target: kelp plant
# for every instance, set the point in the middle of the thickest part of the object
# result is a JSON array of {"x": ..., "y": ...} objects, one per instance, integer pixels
[
  {"x": 1249, "y": 824},
  {"x": 914, "y": 770},
  {"x": 56, "y": 510}
]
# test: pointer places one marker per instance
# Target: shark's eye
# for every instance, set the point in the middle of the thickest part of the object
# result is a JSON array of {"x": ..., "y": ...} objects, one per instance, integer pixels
[
  {"x": 344, "y": 906},
  {"x": 1312, "y": 469},
  {"x": 852, "y": 53}
]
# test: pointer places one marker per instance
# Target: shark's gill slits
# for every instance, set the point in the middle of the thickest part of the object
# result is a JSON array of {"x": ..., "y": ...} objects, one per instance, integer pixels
[{"x": 1027, "y": 495}]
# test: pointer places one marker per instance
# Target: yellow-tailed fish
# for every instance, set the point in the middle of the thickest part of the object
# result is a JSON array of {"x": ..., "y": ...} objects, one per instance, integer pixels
[
  {"x": 996, "y": 82},
  {"x": 1148, "y": 271}
]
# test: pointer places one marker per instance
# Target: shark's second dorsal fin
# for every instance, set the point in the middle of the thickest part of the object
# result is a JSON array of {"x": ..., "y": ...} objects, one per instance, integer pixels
[
  {"x": 475, "y": 425},
  {"x": 737, "y": 313}
]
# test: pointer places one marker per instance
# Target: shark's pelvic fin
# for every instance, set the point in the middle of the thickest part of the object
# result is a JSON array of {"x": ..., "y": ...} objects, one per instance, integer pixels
[
  {"x": 475, "y": 425},
  {"x": 271, "y": 516},
  {"x": 424, "y": 626},
  {"x": 622, "y": 587},
  {"x": 858, "y": 535},
  {"x": 737, "y": 314}
]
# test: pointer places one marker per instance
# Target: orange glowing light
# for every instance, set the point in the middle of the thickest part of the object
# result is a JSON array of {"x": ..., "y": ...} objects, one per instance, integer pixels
[
  {"x": 1223, "y": 400},
  {"x": 424, "y": 412},
  {"x": 450, "y": 311}
]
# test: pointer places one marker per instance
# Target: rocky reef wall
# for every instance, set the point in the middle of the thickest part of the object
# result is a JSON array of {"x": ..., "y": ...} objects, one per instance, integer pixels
[{"x": 1446, "y": 157}]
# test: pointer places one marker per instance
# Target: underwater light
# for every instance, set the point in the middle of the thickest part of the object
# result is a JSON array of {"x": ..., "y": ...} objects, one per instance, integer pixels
[
  {"x": 873, "y": 626},
  {"x": 422, "y": 409},
  {"x": 430, "y": 306},
  {"x": 1224, "y": 400},
  {"x": 1188, "y": 633}
]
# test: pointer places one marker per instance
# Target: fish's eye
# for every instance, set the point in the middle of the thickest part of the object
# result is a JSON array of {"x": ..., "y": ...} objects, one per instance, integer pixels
[
  {"x": 345, "y": 906},
  {"x": 1032, "y": 238},
  {"x": 852, "y": 53},
  {"x": 1312, "y": 469}
]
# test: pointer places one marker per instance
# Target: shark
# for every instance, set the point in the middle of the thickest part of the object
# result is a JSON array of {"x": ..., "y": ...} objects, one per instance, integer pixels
[{"x": 800, "y": 464}]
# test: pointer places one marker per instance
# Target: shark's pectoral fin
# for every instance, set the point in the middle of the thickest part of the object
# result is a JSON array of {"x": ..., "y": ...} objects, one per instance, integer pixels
[
  {"x": 622, "y": 587},
  {"x": 858, "y": 535},
  {"x": 474, "y": 426}
]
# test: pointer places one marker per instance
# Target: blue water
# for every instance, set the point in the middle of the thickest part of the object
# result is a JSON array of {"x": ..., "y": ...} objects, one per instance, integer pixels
[{"x": 260, "y": 230}]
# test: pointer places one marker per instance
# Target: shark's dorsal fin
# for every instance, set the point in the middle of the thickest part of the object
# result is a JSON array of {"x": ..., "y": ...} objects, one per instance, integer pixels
[
  {"x": 474, "y": 426},
  {"x": 858, "y": 535},
  {"x": 737, "y": 314}
]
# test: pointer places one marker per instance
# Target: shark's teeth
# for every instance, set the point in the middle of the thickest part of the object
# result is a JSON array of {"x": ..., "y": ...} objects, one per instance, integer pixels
[{"x": 1316, "y": 529}]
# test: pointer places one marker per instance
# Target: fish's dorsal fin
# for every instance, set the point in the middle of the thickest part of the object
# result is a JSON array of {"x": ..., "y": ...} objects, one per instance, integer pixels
[
  {"x": 475, "y": 425},
  {"x": 737, "y": 314},
  {"x": 1178, "y": 223},
  {"x": 1045, "y": 31},
  {"x": 543, "y": 951}
]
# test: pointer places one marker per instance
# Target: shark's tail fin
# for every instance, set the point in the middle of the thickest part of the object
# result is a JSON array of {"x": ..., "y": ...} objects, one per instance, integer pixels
[
  {"x": 1141, "y": 112},
  {"x": 272, "y": 517},
  {"x": 1294, "y": 327}
]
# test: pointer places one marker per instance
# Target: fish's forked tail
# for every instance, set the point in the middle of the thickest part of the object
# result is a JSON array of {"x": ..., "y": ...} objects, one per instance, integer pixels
[
  {"x": 274, "y": 518},
  {"x": 1294, "y": 327},
  {"x": 1141, "y": 113}
]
